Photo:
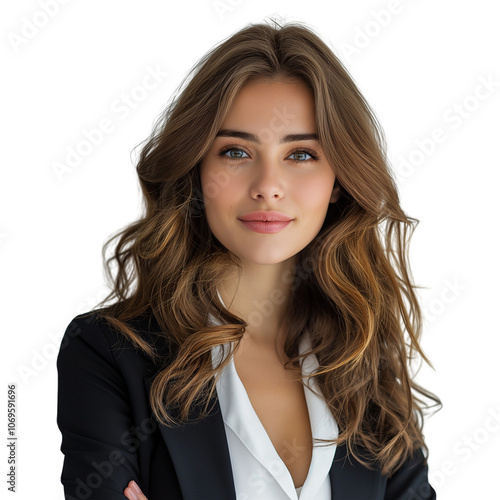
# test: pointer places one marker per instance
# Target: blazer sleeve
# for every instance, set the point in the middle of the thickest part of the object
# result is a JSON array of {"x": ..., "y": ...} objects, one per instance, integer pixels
[
  {"x": 410, "y": 481},
  {"x": 93, "y": 415}
]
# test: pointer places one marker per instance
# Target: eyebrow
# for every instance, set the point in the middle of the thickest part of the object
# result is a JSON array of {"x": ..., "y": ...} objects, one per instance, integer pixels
[{"x": 252, "y": 137}]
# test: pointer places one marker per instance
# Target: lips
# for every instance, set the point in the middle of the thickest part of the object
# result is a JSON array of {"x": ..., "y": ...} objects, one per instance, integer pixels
[
  {"x": 266, "y": 216},
  {"x": 265, "y": 226}
]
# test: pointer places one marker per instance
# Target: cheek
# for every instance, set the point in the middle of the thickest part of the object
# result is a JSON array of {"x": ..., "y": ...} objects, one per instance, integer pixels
[
  {"x": 218, "y": 183},
  {"x": 221, "y": 188},
  {"x": 219, "y": 201},
  {"x": 315, "y": 194},
  {"x": 208, "y": 186}
]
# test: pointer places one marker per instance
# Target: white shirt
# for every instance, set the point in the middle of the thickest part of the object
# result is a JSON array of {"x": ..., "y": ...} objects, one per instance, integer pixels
[{"x": 259, "y": 473}]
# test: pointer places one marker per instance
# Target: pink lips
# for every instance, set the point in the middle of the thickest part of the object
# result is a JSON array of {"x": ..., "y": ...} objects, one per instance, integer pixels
[
  {"x": 265, "y": 222},
  {"x": 269, "y": 216},
  {"x": 265, "y": 227}
]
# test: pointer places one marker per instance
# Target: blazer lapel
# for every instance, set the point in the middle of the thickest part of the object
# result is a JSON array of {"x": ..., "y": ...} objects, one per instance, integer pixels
[
  {"x": 202, "y": 463},
  {"x": 200, "y": 454},
  {"x": 351, "y": 480}
]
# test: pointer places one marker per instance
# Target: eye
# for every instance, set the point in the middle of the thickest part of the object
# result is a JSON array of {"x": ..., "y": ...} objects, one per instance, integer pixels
[
  {"x": 230, "y": 150},
  {"x": 301, "y": 153}
]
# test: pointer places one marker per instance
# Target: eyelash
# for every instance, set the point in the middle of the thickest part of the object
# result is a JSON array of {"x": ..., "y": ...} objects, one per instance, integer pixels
[{"x": 314, "y": 156}]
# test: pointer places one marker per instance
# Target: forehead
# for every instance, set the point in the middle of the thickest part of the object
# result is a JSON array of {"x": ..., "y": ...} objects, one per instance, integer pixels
[{"x": 272, "y": 106}]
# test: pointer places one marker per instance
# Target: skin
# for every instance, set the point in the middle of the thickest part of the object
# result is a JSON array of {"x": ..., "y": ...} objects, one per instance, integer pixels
[
  {"x": 264, "y": 176},
  {"x": 133, "y": 492}
]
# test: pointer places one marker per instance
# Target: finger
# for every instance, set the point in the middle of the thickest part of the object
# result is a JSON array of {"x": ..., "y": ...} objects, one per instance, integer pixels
[
  {"x": 133, "y": 492},
  {"x": 129, "y": 493}
]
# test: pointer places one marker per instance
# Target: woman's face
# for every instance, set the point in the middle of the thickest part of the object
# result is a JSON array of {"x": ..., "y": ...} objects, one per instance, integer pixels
[{"x": 255, "y": 170}]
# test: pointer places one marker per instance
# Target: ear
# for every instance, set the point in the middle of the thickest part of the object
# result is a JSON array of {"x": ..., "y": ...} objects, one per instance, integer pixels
[{"x": 335, "y": 192}]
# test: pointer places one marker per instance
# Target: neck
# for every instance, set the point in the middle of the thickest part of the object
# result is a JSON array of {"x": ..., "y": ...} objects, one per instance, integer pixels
[{"x": 259, "y": 296}]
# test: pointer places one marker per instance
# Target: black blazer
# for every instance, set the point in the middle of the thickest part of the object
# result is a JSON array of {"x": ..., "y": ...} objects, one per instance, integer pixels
[{"x": 110, "y": 437}]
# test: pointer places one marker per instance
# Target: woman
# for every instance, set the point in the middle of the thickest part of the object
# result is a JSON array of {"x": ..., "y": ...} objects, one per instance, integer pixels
[{"x": 264, "y": 351}]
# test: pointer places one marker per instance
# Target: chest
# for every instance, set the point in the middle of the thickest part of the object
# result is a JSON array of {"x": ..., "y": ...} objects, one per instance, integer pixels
[{"x": 281, "y": 406}]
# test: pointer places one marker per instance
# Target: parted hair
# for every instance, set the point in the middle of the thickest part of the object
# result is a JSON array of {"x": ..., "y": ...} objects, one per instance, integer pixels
[{"x": 352, "y": 289}]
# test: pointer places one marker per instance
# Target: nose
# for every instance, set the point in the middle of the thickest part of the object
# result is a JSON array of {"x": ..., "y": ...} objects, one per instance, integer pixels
[{"x": 268, "y": 183}]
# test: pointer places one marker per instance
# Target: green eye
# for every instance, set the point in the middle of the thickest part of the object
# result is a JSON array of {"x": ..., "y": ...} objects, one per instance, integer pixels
[
  {"x": 303, "y": 153},
  {"x": 230, "y": 150}
]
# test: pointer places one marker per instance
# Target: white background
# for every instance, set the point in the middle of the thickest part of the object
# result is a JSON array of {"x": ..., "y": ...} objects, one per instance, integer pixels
[{"x": 420, "y": 64}]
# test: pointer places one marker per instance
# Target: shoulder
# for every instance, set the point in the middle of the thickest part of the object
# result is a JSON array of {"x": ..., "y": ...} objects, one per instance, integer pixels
[
  {"x": 410, "y": 481},
  {"x": 90, "y": 336},
  {"x": 102, "y": 401},
  {"x": 89, "y": 329}
]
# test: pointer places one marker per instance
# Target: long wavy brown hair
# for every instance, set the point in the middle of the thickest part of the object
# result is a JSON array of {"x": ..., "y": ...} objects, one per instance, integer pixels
[{"x": 352, "y": 290}]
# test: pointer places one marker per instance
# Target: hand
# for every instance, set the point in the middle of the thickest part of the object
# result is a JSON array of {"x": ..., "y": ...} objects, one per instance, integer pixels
[{"x": 133, "y": 492}]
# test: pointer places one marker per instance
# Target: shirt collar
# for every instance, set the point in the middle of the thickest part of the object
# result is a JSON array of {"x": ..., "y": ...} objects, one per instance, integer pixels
[{"x": 240, "y": 416}]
